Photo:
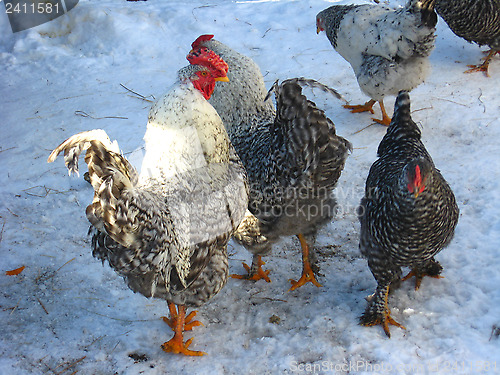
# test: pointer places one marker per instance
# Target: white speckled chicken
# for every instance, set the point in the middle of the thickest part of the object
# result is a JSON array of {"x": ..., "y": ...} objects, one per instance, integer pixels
[
  {"x": 387, "y": 49},
  {"x": 166, "y": 229},
  {"x": 292, "y": 155},
  {"x": 476, "y": 21},
  {"x": 408, "y": 214}
]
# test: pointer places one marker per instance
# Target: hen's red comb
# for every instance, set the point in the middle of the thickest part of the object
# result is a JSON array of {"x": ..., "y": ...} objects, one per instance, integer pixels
[
  {"x": 201, "y": 39},
  {"x": 204, "y": 57}
]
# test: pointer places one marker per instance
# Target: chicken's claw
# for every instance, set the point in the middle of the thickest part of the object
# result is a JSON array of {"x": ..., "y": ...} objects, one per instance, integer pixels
[
  {"x": 307, "y": 276},
  {"x": 485, "y": 65},
  {"x": 367, "y": 107},
  {"x": 176, "y": 346},
  {"x": 419, "y": 276},
  {"x": 307, "y": 272},
  {"x": 179, "y": 323},
  {"x": 383, "y": 318},
  {"x": 188, "y": 324},
  {"x": 254, "y": 275}
]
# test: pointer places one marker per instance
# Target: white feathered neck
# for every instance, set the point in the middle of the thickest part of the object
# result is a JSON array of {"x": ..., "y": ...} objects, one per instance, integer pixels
[{"x": 184, "y": 132}]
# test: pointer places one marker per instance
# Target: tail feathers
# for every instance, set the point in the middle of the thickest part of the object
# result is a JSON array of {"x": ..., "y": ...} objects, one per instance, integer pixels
[
  {"x": 110, "y": 174},
  {"x": 105, "y": 164},
  {"x": 402, "y": 128},
  {"x": 402, "y": 111},
  {"x": 303, "y": 82},
  {"x": 402, "y": 124},
  {"x": 273, "y": 90},
  {"x": 111, "y": 213},
  {"x": 315, "y": 84},
  {"x": 317, "y": 152},
  {"x": 73, "y": 147}
]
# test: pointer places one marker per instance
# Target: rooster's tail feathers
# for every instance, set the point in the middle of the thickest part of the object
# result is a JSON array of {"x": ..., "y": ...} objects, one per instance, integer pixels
[
  {"x": 110, "y": 173},
  {"x": 402, "y": 108},
  {"x": 402, "y": 126},
  {"x": 304, "y": 82},
  {"x": 74, "y": 145},
  {"x": 318, "y": 151}
]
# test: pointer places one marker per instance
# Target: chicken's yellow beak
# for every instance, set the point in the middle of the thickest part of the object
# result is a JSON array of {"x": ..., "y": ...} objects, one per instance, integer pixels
[{"x": 222, "y": 79}]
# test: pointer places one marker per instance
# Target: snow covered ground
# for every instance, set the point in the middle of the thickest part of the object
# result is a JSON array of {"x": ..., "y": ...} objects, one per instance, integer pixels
[{"x": 67, "y": 314}]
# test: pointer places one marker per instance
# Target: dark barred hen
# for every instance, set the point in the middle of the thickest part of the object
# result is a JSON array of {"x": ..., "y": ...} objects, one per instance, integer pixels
[
  {"x": 387, "y": 49},
  {"x": 166, "y": 229},
  {"x": 407, "y": 216},
  {"x": 476, "y": 21},
  {"x": 292, "y": 155}
]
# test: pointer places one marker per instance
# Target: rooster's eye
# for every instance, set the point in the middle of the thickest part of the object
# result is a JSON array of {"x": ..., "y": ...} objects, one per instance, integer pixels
[{"x": 204, "y": 73}]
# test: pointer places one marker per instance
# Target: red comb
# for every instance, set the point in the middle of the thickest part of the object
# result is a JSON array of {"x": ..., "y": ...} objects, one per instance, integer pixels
[
  {"x": 205, "y": 57},
  {"x": 201, "y": 39}
]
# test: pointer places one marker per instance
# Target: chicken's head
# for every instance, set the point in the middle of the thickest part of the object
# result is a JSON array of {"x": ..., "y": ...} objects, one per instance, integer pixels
[
  {"x": 211, "y": 68},
  {"x": 320, "y": 24},
  {"x": 205, "y": 57}
]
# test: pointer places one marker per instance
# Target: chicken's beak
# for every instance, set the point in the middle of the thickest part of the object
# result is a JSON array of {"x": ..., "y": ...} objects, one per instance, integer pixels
[
  {"x": 222, "y": 79},
  {"x": 318, "y": 30}
]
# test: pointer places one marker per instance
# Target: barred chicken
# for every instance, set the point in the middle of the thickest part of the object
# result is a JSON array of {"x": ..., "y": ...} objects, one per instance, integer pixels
[
  {"x": 476, "y": 21},
  {"x": 165, "y": 229},
  {"x": 408, "y": 214},
  {"x": 387, "y": 49},
  {"x": 292, "y": 155}
]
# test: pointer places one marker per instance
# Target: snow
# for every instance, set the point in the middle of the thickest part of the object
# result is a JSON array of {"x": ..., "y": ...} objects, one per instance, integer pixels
[{"x": 66, "y": 313}]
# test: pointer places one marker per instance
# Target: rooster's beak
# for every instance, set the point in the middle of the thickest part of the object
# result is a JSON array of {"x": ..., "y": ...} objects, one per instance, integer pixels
[
  {"x": 318, "y": 30},
  {"x": 222, "y": 79}
]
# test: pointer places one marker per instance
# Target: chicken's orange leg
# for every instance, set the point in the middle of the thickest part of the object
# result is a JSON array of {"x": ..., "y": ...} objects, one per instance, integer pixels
[
  {"x": 383, "y": 319},
  {"x": 367, "y": 107},
  {"x": 307, "y": 272},
  {"x": 177, "y": 322},
  {"x": 419, "y": 276},
  {"x": 386, "y": 120},
  {"x": 172, "y": 321},
  {"x": 255, "y": 272},
  {"x": 484, "y": 66}
]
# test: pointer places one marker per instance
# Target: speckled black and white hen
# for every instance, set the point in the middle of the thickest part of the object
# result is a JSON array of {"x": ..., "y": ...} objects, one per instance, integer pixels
[
  {"x": 387, "y": 49},
  {"x": 166, "y": 229},
  {"x": 408, "y": 213},
  {"x": 476, "y": 21},
  {"x": 292, "y": 155}
]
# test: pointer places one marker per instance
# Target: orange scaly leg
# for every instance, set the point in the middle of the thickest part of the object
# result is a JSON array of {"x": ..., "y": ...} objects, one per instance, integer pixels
[
  {"x": 255, "y": 275},
  {"x": 385, "y": 320},
  {"x": 367, "y": 107},
  {"x": 484, "y": 66},
  {"x": 419, "y": 276},
  {"x": 386, "y": 120},
  {"x": 179, "y": 323},
  {"x": 174, "y": 317},
  {"x": 307, "y": 273}
]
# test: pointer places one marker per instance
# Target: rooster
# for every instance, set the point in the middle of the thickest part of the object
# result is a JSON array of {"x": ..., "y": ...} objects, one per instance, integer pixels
[
  {"x": 476, "y": 21},
  {"x": 387, "y": 49},
  {"x": 292, "y": 155},
  {"x": 407, "y": 216},
  {"x": 165, "y": 229}
]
